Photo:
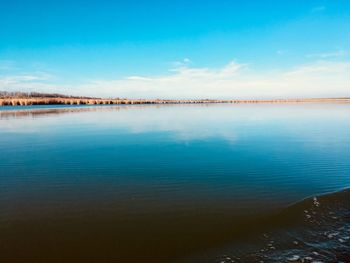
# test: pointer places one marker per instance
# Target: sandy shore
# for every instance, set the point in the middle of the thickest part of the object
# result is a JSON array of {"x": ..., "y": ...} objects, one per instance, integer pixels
[{"x": 98, "y": 101}]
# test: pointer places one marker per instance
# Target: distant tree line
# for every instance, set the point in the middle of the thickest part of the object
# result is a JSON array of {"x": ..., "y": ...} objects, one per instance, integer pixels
[{"x": 16, "y": 94}]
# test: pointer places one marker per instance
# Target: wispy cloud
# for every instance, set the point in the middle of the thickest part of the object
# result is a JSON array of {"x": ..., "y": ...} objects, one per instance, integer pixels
[
  {"x": 30, "y": 77},
  {"x": 233, "y": 80},
  {"x": 8, "y": 65},
  {"x": 27, "y": 82},
  {"x": 281, "y": 52},
  {"x": 181, "y": 63},
  {"x": 318, "y": 9},
  {"x": 337, "y": 53}
]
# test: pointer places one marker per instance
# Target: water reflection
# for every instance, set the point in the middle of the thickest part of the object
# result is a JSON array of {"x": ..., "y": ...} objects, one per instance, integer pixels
[
  {"x": 186, "y": 122},
  {"x": 159, "y": 182}
]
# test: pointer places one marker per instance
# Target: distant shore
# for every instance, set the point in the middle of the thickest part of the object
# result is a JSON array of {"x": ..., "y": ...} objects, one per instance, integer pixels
[{"x": 13, "y": 101}]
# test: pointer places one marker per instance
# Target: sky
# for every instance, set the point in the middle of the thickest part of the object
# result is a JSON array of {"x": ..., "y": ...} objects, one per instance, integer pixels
[{"x": 178, "y": 49}]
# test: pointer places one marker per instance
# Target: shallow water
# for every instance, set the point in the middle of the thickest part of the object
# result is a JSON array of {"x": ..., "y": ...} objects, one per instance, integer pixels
[{"x": 167, "y": 183}]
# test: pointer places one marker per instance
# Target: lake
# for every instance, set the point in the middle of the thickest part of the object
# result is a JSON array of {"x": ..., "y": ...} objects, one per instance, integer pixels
[{"x": 175, "y": 183}]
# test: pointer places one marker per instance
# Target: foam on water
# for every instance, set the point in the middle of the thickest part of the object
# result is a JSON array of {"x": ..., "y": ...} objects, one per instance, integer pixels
[{"x": 314, "y": 230}]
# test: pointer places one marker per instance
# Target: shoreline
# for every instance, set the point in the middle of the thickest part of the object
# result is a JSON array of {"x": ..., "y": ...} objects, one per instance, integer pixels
[{"x": 99, "y": 101}]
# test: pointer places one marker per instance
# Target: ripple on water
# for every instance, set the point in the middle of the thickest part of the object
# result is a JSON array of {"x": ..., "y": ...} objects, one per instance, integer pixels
[{"x": 313, "y": 231}]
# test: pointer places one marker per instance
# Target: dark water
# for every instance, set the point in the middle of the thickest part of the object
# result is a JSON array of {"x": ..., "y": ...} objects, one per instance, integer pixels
[{"x": 175, "y": 183}]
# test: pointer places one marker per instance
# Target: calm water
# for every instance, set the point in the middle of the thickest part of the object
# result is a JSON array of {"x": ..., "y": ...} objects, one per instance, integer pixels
[{"x": 187, "y": 183}]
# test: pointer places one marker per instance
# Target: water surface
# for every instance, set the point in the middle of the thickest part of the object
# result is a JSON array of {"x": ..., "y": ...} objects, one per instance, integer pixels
[{"x": 163, "y": 183}]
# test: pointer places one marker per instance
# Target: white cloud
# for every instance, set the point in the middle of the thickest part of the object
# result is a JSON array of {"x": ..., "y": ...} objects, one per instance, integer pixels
[
  {"x": 337, "y": 53},
  {"x": 138, "y": 78},
  {"x": 36, "y": 76},
  {"x": 280, "y": 52},
  {"x": 182, "y": 63},
  {"x": 234, "y": 80},
  {"x": 317, "y": 79},
  {"x": 27, "y": 82},
  {"x": 7, "y": 65},
  {"x": 187, "y": 60},
  {"x": 318, "y": 9}
]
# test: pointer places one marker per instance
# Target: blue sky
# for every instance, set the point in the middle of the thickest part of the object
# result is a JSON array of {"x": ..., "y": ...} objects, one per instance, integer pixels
[{"x": 176, "y": 49}]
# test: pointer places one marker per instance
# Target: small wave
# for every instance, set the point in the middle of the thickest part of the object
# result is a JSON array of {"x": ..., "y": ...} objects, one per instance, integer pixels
[{"x": 315, "y": 230}]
